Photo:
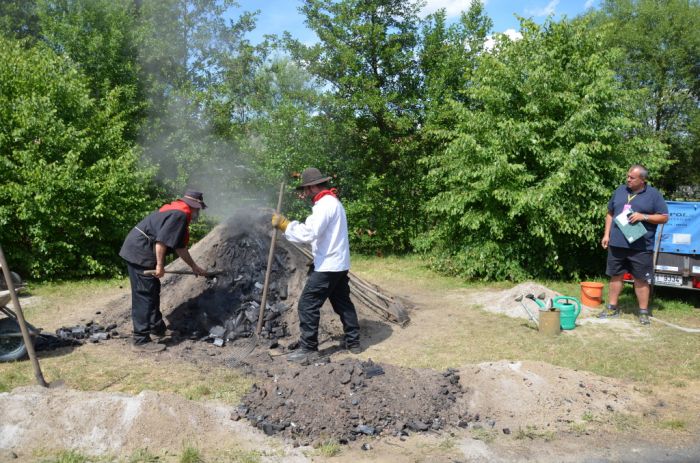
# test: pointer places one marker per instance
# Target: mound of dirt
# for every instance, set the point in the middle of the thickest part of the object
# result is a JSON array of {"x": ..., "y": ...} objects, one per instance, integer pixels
[
  {"x": 504, "y": 302},
  {"x": 101, "y": 423},
  {"x": 517, "y": 395},
  {"x": 345, "y": 400},
  {"x": 353, "y": 398}
]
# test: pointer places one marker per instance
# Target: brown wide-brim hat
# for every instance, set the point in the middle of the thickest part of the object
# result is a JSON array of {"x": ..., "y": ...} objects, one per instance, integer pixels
[
  {"x": 194, "y": 199},
  {"x": 312, "y": 176}
]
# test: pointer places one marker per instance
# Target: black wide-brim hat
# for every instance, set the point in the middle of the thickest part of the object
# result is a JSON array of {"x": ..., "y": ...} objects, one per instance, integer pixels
[
  {"x": 194, "y": 199},
  {"x": 312, "y": 176}
]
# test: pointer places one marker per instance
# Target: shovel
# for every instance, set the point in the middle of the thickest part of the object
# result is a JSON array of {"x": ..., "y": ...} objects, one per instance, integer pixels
[
  {"x": 26, "y": 336},
  {"x": 185, "y": 272},
  {"x": 244, "y": 347},
  {"x": 532, "y": 317}
]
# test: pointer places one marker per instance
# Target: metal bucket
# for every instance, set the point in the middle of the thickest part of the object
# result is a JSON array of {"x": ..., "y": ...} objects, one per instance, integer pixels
[{"x": 550, "y": 322}]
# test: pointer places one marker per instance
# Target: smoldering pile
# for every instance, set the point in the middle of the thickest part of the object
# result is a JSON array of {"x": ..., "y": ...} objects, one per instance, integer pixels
[{"x": 228, "y": 307}]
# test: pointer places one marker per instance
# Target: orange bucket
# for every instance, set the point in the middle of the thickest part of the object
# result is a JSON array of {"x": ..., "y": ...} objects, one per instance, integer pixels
[{"x": 591, "y": 293}]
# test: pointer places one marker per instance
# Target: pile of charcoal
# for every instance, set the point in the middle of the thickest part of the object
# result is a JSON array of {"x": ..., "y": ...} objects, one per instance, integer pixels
[
  {"x": 89, "y": 332},
  {"x": 229, "y": 306},
  {"x": 244, "y": 323},
  {"x": 351, "y": 399}
]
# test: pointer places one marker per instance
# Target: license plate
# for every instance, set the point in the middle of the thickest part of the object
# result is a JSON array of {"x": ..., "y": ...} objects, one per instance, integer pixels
[{"x": 670, "y": 280}]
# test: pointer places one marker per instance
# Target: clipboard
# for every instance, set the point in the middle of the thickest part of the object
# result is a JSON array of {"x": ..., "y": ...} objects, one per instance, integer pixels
[{"x": 631, "y": 231}]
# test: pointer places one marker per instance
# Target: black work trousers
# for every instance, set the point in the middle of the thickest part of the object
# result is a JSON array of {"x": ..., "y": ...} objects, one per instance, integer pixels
[
  {"x": 145, "y": 304},
  {"x": 319, "y": 287}
]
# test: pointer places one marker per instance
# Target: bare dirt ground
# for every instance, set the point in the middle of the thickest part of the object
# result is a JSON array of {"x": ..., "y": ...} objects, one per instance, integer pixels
[{"x": 407, "y": 397}]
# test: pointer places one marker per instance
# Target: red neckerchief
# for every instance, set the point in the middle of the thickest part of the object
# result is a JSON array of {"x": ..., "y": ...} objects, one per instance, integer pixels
[
  {"x": 180, "y": 205},
  {"x": 333, "y": 192}
]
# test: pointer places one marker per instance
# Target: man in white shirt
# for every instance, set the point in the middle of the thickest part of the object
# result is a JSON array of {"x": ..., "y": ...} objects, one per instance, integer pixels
[{"x": 326, "y": 229}]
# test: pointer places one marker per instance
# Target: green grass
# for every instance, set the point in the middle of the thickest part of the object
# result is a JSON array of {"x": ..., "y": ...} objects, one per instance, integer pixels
[
  {"x": 68, "y": 456},
  {"x": 483, "y": 434},
  {"x": 143, "y": 456},
  {"x": 190, "y": 454},
  {"x": 329, "y": 449},
  {"x": 674, "y": 424},
  {"x": 242, "y": 456},
  {"x": 625, "y": 422},
  {"x": 578, "y": 428},
  {"x": 533, "y": 432}
]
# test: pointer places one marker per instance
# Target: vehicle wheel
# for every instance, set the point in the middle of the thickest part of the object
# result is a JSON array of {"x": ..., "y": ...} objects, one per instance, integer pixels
[
  {"x": 11, "y": 347},
  {"x": 16, "y": 280}
]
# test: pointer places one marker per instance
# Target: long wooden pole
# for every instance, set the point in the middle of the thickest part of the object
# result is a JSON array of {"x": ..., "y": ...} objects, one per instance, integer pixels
[
  {"x": 270, "y": 257},
  {"x": 22, "y": 323}
]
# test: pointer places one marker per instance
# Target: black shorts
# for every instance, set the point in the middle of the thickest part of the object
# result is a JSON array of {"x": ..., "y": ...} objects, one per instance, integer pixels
[{"x": 638, "y": 263}]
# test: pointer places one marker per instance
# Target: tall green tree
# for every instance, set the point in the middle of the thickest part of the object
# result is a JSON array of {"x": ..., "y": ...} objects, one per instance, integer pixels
[
  {"x": 449, "y": 54},
  {"x": 200, "y": 73},
  {"x": 70, "y": 182},
  {"x": 448, "y": 57},
  {"x": 101, "y": 37},
  {"x": 545, "y": 135},
  {"x": 661, "y": 54},
  {"x": 366, "y": 55},
  {"x": 18, "y": 19}
]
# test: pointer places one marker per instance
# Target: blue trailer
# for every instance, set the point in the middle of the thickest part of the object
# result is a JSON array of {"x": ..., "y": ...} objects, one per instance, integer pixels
[{"x": 678, "y": 257}]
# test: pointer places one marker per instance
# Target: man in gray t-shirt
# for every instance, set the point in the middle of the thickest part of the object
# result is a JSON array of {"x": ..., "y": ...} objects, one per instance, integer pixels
[{"x": 634, "y": 202}]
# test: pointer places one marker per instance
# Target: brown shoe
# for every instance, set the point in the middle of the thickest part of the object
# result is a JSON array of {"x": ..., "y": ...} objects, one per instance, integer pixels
[{"x": 149, "y": 347}]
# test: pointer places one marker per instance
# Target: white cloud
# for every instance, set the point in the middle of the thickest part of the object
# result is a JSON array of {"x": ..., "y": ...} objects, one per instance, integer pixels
[
  {"x": 589, "y": 4},
  {"x": 549, "y": 9},
  {"x": 452, "y": 7},
  {"x": 512, "y": 34}
]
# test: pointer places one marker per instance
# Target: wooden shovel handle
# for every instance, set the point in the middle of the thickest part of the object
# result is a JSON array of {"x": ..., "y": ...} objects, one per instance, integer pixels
[
  {"x": 270, "y": 256},
  {"x": 181, "y": 272}
]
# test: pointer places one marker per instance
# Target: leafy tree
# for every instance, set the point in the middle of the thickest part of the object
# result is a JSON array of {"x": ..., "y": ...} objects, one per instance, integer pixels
[
  {"x": 449, "y": 54},
  {"x": 70, "y": 183},
  {"x": 200, "y": 76},
  {"x": 99, "y": 35},
  {"x": 366, "y": 56},
  {"x": 531, "y": 159},
  {"x": 18, "y": 19},
  {"x": 661, "y": 54}
]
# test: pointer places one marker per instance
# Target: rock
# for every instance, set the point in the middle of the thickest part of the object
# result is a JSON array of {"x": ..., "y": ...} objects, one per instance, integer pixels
[
  {"x": 506, "y": 431},
  {"x": 364, "y": 429},
  {"x": 417, "y": 425}
]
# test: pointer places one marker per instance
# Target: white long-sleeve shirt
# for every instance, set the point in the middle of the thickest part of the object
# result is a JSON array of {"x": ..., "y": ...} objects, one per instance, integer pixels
[{"x": 327, "y": 231}]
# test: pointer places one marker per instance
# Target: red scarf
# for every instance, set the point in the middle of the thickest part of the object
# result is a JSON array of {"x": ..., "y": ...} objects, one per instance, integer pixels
[
  {"x": 180, "y": 205},
  {"x": 332, "y": 192}
]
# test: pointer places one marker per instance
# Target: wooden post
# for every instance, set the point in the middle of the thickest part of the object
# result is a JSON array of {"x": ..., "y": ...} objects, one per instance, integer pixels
[{"x": 22, "y": 324}]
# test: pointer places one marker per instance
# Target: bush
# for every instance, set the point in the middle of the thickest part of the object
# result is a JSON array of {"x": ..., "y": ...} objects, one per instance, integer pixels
[{"x": 70, "y": 186}]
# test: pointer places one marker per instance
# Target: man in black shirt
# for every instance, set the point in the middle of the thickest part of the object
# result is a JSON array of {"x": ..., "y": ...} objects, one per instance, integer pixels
[
  {"x": 145, "y": 248},
  {"x": 635, "y": 201}
]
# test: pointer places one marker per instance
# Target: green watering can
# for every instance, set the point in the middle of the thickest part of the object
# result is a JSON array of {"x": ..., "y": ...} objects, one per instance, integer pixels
[{"x": 569, "y": 307}]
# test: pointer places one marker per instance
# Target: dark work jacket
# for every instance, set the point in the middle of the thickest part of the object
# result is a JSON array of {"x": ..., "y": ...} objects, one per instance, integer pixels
[{"x": 167, "y": 227}]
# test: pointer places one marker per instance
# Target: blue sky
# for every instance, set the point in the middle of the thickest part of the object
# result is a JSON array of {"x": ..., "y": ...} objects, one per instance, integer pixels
[{"x": 277, "y": 16}]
